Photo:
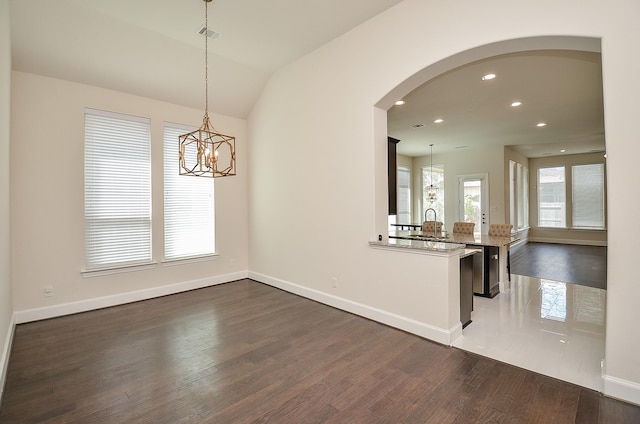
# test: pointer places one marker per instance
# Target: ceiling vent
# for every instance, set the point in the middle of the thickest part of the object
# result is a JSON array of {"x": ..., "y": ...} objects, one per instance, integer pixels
[
  {"x": 417, "y": 125},
  {"x": 210, "y": 33}
]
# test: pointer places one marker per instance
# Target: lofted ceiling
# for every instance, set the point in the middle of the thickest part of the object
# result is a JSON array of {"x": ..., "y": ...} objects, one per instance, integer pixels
[{"x": 152, "y": 48}]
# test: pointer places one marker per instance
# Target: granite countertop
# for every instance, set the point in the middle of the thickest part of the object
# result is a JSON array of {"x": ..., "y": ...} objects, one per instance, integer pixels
[
  {"x": 425, "y": 245},
  {"x": 478, "y": 240}
]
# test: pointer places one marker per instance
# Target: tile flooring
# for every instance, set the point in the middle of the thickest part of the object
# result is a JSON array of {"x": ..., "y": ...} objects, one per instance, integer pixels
[{"x": 553, "y": 328}]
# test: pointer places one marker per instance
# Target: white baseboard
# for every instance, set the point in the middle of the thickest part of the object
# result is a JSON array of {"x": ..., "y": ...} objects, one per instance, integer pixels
[
  {"x": 439, "y": 335},
  {"x": 624, "y": 390},
  {"x": 567, "y": 241},
  {"x": 6, "y": 352},
  {"x": 46, "y": 312}
]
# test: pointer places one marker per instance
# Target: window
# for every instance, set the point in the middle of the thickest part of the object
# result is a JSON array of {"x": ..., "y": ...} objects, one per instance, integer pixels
[
  {"x": 117, "y": 190},
  {"x": 551, "y": 197},
  {"x": 587, "y": 190},
  {"x": 433, "y": 175},
  {"x": 522, "y": 178},
  {"x": 189, "y": 215},
  {"x": 404, "y": 195},
  {"x": 519, "y": 193}
]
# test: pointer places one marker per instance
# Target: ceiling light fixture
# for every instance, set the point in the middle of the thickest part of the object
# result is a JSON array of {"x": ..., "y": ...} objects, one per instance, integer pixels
[
  {"x": 438, "y": 121},
  {"x": 488, "y": 77},
  {"x": 541, "y": 124},
  {"x": 205, "y": 152},
  {"x": 432, "y": 191},
  {"x": 516, "y": 104},
  {"x": 399, "y": 102},
  {"x": 562, "y": 150}
]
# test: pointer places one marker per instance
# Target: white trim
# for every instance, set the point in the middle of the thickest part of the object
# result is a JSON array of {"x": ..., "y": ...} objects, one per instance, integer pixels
[
  {"x": 190, "y": 260},
  {"x": 119, "y": 299},
  {"x": 6, "y": 352},
  {"x": 618, "y": 388},
  {"x": 437, "y": 334},
  {"x": 99, "y": 272},
  {"x": 567, "y": 241}
]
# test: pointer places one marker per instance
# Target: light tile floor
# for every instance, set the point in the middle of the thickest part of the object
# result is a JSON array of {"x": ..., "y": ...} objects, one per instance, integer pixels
[{"x": 553, "y": 328}]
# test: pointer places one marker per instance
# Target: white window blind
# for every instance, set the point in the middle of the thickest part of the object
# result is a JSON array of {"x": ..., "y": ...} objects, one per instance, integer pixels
[
  {"x": 117, "y": 185},
  {"x": 189, "y": 215},
  {"x": 551, "y": 197},
  {"x": 404, "y": 195},
  {"x": 588, "y": 195}
]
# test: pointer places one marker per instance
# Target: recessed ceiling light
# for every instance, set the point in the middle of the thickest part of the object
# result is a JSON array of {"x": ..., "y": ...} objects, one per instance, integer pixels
[
  {"x": 516, "y": 104},
  {"x": 438, "y": 121},
  {"x": 541, "y": 124},
  {"x": 399, "y": 102},
  {"x": 488, "y": 77},
  {"x": 562, "y": 150}
]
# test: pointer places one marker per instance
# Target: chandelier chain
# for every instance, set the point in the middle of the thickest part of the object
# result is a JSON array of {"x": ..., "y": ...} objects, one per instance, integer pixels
[{"x": 206, "y": 58}]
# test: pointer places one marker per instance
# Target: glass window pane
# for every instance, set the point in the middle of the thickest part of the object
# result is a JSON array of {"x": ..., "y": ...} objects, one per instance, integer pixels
[
  {"x": 552, "y": 197},
  {"x": 189, "y": 213},
  {"x": 588, "y": 195},
  {"x": 117, "y": 189},
  {"x": 404, "y": 195},
  {"x": 433, "y": 175}
]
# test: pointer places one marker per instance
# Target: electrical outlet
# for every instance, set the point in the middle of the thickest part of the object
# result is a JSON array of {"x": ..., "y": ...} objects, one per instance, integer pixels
[
  {"x": 48, "y": 291},
  {"x": 334, "y": 282}
]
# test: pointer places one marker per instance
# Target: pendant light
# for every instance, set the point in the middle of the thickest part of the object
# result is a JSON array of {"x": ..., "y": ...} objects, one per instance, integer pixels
[
  {"x": 432, "y": 191},
  {"x": 206, "y": 152}
]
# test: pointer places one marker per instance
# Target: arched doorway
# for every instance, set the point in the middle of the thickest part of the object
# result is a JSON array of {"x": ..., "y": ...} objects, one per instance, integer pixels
[{"x": 496, "y": 158}]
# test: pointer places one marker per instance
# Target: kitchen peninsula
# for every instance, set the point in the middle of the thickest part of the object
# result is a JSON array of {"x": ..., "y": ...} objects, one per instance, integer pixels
[{"x": 491, "y": 272}]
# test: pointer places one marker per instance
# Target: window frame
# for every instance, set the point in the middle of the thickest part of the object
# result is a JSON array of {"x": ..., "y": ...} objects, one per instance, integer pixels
[
  {"x": 184, "y": 194},
  {"x": 108, "y": 177}
]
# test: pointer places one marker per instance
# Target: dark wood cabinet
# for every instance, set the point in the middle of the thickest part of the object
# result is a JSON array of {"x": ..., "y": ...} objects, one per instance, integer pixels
[{"x": 392, "y": 166}]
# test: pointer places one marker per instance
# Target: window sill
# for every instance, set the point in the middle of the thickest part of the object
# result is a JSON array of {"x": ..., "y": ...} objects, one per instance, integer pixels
[
  {"x": 190, "y": 260},
  {"x": 117, "y": 270}
]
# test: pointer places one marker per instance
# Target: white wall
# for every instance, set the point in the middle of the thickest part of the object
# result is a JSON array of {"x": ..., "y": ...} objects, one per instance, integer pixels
[
  {"x": 6, "y": 306},
  {"x": 47, "y": 201},
  {"x": 487, "y": 160},
  {"x": 318, "y": 150}
]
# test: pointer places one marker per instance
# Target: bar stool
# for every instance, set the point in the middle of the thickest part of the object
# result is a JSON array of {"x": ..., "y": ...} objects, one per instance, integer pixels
[
  {"x": 428, "y": 227},
  {"x": 463, "y": 227},
  {"x": 503, "y": 230}
]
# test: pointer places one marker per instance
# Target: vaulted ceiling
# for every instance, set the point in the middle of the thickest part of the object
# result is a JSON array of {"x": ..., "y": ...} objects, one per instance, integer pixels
[{"x": 152, "y": 48}]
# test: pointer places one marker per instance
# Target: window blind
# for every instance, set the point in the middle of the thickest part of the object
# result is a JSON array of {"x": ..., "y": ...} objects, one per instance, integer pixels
[
  {"x": 552, "y": 197},
  {"x": 189, "y": 214},
  {"x": 588, "y": 195},
  {"x": 404, "y": 195},
  {"x": 117, "y": 171}
]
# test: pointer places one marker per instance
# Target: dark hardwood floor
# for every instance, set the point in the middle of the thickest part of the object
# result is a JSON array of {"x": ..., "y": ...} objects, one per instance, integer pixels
[
  {"x": 584, "y": 265},
  {"x": 244, "y": 352}
]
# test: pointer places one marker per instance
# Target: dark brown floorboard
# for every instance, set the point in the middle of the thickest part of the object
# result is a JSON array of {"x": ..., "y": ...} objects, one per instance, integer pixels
[
  {"x": 244, "y": 352},
  {"x": 584, "y": 265}
]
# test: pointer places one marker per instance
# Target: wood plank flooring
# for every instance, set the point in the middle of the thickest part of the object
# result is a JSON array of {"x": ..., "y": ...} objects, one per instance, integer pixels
[
  {"x": 577, "y": 264},
  {"x": 244, "y": 352}
]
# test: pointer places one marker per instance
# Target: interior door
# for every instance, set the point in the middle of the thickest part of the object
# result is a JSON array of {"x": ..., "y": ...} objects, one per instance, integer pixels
[{"x": 473, "y": 201}]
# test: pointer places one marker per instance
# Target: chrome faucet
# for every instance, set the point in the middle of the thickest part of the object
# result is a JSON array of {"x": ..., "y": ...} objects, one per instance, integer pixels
[{"x": 435, "y": 220}]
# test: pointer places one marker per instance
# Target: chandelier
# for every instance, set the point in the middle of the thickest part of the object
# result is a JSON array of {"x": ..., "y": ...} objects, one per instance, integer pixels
[
  {"x": 206, "y": 152},
  {"x": 432, "y": 191}
]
